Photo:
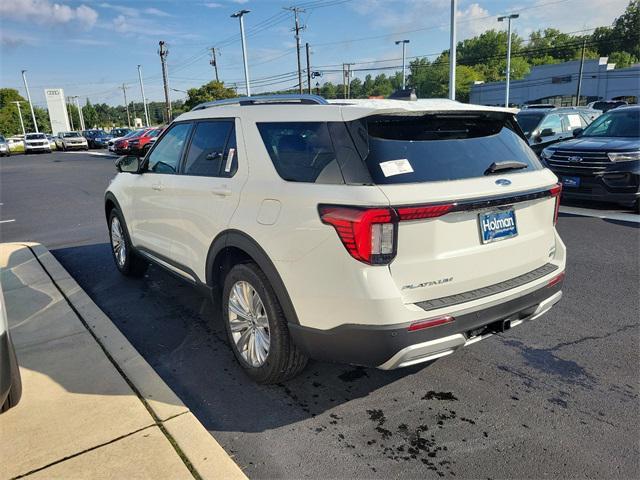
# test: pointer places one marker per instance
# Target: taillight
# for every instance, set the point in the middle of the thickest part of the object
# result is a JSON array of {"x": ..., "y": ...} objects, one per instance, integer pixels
[
  {"x": 556, "y": 192},
  {"x": 556, "y": 280},
  {"x": 368, "y": 234}
]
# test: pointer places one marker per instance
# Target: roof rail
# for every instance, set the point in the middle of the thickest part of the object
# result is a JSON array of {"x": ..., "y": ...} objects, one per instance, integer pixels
[{"x": 294, "y": 98}]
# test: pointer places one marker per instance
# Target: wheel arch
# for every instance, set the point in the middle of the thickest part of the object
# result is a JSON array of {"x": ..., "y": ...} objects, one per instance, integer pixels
[{"x": 233, "y": 246}]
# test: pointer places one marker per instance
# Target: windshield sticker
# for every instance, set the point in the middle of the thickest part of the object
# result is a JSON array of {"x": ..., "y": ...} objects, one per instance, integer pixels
[
  {"x": 227, "y": 167},
  {"x": 396, "y": 167},
  {"x": 574, "y": 120}
]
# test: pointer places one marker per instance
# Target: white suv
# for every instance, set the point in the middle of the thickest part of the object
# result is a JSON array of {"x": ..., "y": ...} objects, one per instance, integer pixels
[{"x": 381, "y": 232}]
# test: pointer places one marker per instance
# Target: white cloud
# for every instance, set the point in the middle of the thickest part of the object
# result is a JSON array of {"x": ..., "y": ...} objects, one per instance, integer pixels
[
  {"x": 45, "y": 12},
  {"x": 241, "y": 2},
  {"x": 157, "y": 12},
  {"x": 213, "y": 5},
  {"x": 474, "y": 20}
]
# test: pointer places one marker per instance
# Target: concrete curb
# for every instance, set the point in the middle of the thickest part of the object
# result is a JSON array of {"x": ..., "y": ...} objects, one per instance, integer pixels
[{"x": 202, "y": 451}]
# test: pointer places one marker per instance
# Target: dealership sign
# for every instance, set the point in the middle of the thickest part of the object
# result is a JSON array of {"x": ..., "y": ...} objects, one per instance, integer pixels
[{"x": 57, "y": 110}]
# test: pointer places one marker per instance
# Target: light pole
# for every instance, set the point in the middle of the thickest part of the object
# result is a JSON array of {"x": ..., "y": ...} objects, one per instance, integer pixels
[
  {"x": 404, "y": 44},
  {"x": 452, "y": 53},
  {"x": 17, "y": 102},
  {"x": 501, "y": 19},
  {"x": 82, "y": 127},
  {"x": 26, "y": 87},
  {"x": 144, "y": 100},
  {"x": 240, "y": 14}
]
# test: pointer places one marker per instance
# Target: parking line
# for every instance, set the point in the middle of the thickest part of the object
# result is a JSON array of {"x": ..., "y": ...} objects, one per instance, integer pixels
[
  {"x": 589, "y": 212},
  {"x": 8, "y": 221}
]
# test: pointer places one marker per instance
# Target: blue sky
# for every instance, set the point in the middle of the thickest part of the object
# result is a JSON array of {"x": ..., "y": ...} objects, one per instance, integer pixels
[{"x": 90, "y": 48}]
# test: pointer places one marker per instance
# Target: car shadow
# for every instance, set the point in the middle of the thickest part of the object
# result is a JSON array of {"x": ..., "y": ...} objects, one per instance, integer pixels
[{"x": 181, "y": 335}]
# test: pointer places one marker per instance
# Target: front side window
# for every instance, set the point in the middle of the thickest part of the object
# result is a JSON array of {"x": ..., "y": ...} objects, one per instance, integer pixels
[
  {"x": 165, "y": 157},
  {"x": 552, "y": 122},
  {"x": 206, "y": 151}
]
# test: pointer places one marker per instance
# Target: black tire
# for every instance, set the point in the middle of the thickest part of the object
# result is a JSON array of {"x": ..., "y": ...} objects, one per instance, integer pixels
[
  {"x": 133, "y": 265},
  {"x": 15, "y": 391},
  {"x": 284, "y": 360}
]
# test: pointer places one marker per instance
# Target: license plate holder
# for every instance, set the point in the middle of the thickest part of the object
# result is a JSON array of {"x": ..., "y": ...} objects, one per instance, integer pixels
[
  {"x": 497, "y": 225},
  {"x": 570, "y": 182}
]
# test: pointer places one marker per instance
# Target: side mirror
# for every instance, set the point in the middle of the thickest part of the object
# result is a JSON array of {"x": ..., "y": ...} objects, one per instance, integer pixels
[
  {"x": 547, "y": 132},
  {"x": 577, "y": 132},
  {"x": 129, "y": 164}
]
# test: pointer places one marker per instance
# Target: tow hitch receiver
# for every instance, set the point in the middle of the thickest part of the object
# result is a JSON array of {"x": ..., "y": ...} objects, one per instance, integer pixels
[{"x": 500, "y": 326}]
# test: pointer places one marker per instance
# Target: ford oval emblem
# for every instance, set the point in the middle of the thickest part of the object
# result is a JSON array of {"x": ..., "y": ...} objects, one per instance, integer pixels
[{"x": 503, "y": 182}]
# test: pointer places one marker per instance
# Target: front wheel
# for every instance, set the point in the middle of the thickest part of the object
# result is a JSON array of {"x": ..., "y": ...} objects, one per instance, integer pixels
[
  {"x": 257, "y": 328},
  {"x": 127, "y": 261}
]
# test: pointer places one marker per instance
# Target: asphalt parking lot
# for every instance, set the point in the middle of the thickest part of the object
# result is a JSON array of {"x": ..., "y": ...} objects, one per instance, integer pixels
[{"x": 554, "y": 398}]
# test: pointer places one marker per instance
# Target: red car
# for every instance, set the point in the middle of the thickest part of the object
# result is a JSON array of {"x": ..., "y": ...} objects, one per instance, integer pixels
[
  {"x": 141, "y": 144},
  {"x": 122, "y": 146}
]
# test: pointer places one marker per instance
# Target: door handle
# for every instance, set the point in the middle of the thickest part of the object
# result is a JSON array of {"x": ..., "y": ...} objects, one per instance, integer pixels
[
  {"x": 221, "y": 192},
  {"x": 157, "y": 186}
]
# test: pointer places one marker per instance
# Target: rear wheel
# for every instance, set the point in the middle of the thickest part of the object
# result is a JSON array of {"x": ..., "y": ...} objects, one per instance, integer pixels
[
  {"x": 257, "y": 328},
  {"x": 127, "y": 261}
]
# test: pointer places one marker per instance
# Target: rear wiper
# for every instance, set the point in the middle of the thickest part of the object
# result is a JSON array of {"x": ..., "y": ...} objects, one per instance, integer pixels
[{"x": 504, "y": 166}]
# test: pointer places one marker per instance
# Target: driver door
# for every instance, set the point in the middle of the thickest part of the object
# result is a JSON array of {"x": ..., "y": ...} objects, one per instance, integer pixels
[{"x": 156, "y": 224}]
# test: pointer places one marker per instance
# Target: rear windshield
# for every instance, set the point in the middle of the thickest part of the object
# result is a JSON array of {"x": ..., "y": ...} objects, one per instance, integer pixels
[{"x": 395, "y": 149}]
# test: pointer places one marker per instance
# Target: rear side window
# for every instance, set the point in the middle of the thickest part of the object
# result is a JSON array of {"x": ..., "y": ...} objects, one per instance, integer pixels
[
  {"x": 431, "y": 148},
  {"x": 207, "y": 150},
  {"x": 301, "y": 151}
]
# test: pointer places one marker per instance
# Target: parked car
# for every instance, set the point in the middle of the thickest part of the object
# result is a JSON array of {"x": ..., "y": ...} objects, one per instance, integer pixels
[
  {"x": 606, "y": 105},
  {"x": 544, "y": 127},
  {"x": 602, "y": 162},
  {"x": 140, "y": 145},
  {"x": 52, "y": 142},
  {"x": 10, "y": 382},
  {"x": 5, "y": 150},
  {"x": 117, "y": 134},
  {"x": 122, "y": 146},
  {"x": 71, "y": 141},
  {"x": 97, "y": 138},
  {"x": 16, "y": 144},
  {"x": 381, "y": 233},
  {"x": 36, "y": 142}
]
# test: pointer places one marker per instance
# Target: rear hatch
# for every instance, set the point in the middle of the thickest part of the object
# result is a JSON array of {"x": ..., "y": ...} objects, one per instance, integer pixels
[{"x": 499, "y": 200}]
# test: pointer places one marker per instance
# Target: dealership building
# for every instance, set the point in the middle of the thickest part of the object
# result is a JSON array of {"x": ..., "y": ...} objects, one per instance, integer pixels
[{"x": 557, "y": 84}]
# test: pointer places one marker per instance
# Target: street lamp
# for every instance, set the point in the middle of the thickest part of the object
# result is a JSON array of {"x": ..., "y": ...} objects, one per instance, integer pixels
[
  {"x": 404, "y": 44},
  {"x": 240, "y": 14},
  {"x": 501, "y": 19},
  {"x": 17, "y": 102}
]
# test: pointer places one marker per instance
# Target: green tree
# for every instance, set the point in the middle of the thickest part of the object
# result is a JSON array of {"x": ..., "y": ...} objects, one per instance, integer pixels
[
  {"x": 622, "y": 59},
  {"x": 356, "y": 88},
  {"x": 207, "y": 93},
  {"x": 328, "y": 90}
]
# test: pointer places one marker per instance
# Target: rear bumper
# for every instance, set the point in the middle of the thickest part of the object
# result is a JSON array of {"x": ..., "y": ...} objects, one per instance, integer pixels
[{"x": 393, "y": 346}]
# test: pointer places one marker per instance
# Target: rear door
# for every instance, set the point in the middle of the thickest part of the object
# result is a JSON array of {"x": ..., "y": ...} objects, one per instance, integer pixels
[
  {"x": 501, "y": 224},
  {"x": 207, "y": 191}
]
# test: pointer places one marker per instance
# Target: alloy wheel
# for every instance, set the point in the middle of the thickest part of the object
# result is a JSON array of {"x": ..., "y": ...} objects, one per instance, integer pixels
[
  {"x": 249, "y": 323},
  {"x": 117, "y": 242}
]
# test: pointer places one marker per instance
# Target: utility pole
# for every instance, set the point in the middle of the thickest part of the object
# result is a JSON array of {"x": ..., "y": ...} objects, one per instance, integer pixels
[
  {"x": 404, "y": 68},
  {"x": 214, "y": 62},
  {"x": 500, "y": 19},
  {"x": 26, "y": 87},
  {"x": 453, "y": 53},
  {"x": 70, "y": 105},
  {"x": 308, "y": 67},
  {"x": 17, "y": 102},
  {"x": 82, "y": 127},
  {"x": 240, "y": 15},
  {"x": 296, "y": 29},
  {"x": 344, "y": 80},
  {"x": 346, "y": 71},
  {"x": 163, "y": 52},
  {"x": 144, "y": 99},
  {"x": 126, "y": 105},
  {"x": 584, "y": 45}
]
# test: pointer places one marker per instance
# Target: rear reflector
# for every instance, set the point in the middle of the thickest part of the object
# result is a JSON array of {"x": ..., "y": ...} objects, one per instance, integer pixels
[
  {"x": 555, "y": 280},
  {"x": 556, "y": 191},
  {"x": 432, "y": 322}
]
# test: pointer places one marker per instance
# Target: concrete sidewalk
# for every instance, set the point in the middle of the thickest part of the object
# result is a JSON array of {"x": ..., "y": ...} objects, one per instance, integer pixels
[{"x": 91, "y": 405}]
